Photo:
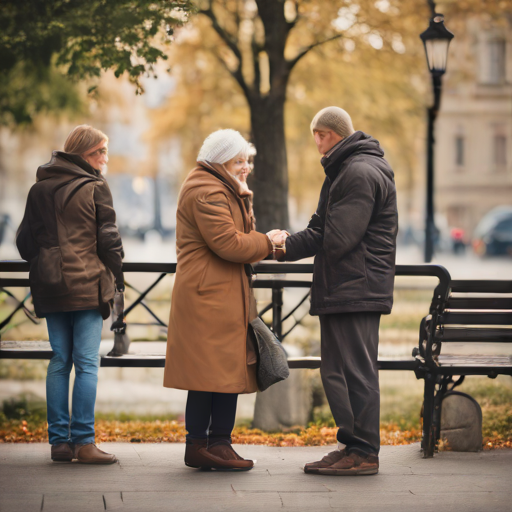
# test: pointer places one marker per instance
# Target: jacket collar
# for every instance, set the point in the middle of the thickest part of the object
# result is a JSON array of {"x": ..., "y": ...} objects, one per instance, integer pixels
[
  {"x": 79, "y": 161},
  {"x": 65, "y": 166},
  {"x": 233, "y": 184},
  {"x": 358, "y": 143},
  {"x": 220, "y": 172}
]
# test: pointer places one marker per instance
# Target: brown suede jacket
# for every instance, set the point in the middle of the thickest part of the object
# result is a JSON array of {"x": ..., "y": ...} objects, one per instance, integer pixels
[{"x": 70, "y": 238}]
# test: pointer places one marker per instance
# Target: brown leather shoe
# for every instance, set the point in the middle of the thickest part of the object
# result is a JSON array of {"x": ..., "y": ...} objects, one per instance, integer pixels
[
  {"x": 220, "y": 456},
  {"x": 91, "y": 454},
  {"x": 62, "y": 452},
  {"x": 353, "y": 464},
  {"x": 231, "y": 461},
  {"x": 195, "y": 453},
  {"x": 328, "y": 460}
]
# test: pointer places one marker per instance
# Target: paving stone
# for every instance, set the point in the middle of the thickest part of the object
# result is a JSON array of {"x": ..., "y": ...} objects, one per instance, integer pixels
[
  {"x": 152, "y": 477},
  {"x": 312, "y": 500},
  {"x": 113, "y": 500},
  {"x": 73, "y": 501},
  {"x": 194, "y": 502},
  {"x": 19, "y": 502}
]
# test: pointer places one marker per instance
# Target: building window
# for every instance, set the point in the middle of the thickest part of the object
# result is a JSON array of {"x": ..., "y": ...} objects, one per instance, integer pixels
[
  {"x": 500, "y": 150},
  {"x": 459, "y": 150},
  {"x": 496, "y": 57}
]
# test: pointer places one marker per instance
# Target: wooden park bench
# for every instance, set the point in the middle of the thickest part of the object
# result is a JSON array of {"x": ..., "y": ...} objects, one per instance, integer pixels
[
  {"x": 426, "y": 361},
  {"x": 471, "y": 312}
]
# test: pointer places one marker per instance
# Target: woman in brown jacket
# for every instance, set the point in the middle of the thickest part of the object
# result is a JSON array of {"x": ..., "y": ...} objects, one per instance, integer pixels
[
  {"x": 212, "y": 303},
  {"x": 69, "y": 237}
]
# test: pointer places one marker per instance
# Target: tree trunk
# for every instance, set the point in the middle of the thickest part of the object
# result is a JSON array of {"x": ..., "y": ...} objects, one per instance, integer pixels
[{"x": 269, "y": 180}]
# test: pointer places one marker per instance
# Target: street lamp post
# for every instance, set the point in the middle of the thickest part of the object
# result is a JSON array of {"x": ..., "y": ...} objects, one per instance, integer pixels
[{"x": 436, "y": 40}]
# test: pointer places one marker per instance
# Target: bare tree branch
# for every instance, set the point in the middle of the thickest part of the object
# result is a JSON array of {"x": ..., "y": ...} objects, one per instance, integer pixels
[
  {"x": 231, "y": 41},
  {"x": 232, "y": 44},
  {"x": 256, "y": 48},
  {"x": 292, "y": 62},
  {"x": 236, "y": 74}
]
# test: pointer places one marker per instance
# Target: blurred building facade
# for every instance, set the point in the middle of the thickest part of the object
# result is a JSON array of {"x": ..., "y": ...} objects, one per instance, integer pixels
[{"x": 474, "y": 129}]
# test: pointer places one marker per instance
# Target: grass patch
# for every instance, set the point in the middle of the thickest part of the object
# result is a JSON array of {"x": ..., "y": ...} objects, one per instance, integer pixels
[{"x": 23, "y": 369}]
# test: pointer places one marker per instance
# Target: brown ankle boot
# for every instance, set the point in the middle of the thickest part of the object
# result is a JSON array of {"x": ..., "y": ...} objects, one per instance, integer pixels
[
  {"x": 220, "y": 457},
  {"x": 227, "y": 458},
  {"x": 62, "y": 452},
  {"x": 195, "y": 453},
  {"x": 91, "y": 454}
]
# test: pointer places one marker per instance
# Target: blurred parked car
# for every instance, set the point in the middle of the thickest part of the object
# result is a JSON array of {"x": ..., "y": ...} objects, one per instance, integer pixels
[{"x": 493, "y": 235}]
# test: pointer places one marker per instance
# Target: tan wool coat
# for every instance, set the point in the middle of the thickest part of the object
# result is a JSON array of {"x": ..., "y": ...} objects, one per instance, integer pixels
[{"x": 206, "y": 345}]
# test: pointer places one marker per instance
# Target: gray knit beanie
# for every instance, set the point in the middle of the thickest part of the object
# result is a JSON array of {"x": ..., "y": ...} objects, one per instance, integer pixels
[
  {"x": 335, "y": 119},
  {"x": 223, "y": 145}
]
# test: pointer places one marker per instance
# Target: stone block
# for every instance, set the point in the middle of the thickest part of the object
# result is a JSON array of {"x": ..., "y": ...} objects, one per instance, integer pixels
[
  {"x": 287, "y": 403},
  {"x": 461, "y": 422}
]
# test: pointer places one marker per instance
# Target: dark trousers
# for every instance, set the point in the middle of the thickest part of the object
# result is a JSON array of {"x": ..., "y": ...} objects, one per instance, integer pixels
[
  {"x": 349, "y": 347},
  {"x": 210, "y": 415}
]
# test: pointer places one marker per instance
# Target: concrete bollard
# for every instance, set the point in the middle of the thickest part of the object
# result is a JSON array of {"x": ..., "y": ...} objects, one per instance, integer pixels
[
  {"x": 461, "y": 422},
  {"x": 287, "y": 403}
]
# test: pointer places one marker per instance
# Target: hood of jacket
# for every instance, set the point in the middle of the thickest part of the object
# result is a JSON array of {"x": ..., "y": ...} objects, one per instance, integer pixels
[
  {"x": 64, "y": 167},
  {"x": 358, "y": 144}
]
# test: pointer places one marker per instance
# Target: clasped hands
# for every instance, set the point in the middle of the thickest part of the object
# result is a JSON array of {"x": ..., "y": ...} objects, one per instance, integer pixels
[{"x": 278, "y": 238}]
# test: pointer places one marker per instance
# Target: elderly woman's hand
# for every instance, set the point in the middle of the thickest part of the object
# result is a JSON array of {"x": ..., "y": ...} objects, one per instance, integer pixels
[
  {"x": 278, "y": 236},
  {"x": 279, "y": 239},
  {"x": 244, "y": 174},
  {"x": 273, "y": 232}
]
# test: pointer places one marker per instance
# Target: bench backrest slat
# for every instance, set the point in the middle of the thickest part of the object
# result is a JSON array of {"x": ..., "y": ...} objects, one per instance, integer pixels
[
  {"x": 479, "y": 303},
  {"x": 476, "y": 318},
  {"x": 480, "y": 286},
  {"x": 467, "y": 334}
]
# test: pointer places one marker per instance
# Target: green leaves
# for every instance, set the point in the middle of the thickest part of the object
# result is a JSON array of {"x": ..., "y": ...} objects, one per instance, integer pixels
[
  {"x": 28, "y": 89},
  {"x": 79, "y": 39}
]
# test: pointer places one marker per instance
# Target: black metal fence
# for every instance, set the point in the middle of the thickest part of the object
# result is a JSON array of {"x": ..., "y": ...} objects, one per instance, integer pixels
[{"x": 273, "y": 276}]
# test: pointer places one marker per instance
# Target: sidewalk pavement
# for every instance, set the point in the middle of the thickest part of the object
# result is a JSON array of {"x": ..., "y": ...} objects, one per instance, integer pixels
[{"x": 152, "y": 477}]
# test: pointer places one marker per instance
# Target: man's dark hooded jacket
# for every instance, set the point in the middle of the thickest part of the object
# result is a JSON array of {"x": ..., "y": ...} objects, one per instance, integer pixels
[
  {"x": 70, "y": 238},
  {"x": 353, "y": 232}
]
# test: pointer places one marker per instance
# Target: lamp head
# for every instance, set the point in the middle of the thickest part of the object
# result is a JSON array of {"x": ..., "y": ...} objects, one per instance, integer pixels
[{"x": 436, "y": 40}]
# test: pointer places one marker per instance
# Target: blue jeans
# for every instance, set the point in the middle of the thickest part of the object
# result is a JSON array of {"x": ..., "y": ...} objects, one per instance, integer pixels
[{"x": 75, "y": 338}]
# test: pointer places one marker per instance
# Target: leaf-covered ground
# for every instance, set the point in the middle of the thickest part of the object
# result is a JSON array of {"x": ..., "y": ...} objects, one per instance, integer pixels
[{"x": 172, "y": 431}]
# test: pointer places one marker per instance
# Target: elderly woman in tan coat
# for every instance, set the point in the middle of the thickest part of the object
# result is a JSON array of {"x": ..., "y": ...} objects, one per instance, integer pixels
[{"x": 208, "y": 352}]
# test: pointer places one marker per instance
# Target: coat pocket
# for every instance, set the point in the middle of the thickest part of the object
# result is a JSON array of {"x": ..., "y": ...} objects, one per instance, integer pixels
[
  {"x": 217, "y": 276},
  {"x": 346, "y": 274},
  {"x": 46, "y": 272}
]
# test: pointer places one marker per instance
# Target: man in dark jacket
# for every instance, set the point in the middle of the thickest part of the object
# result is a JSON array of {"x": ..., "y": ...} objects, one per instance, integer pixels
[{"x": 353, "y": 238}]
